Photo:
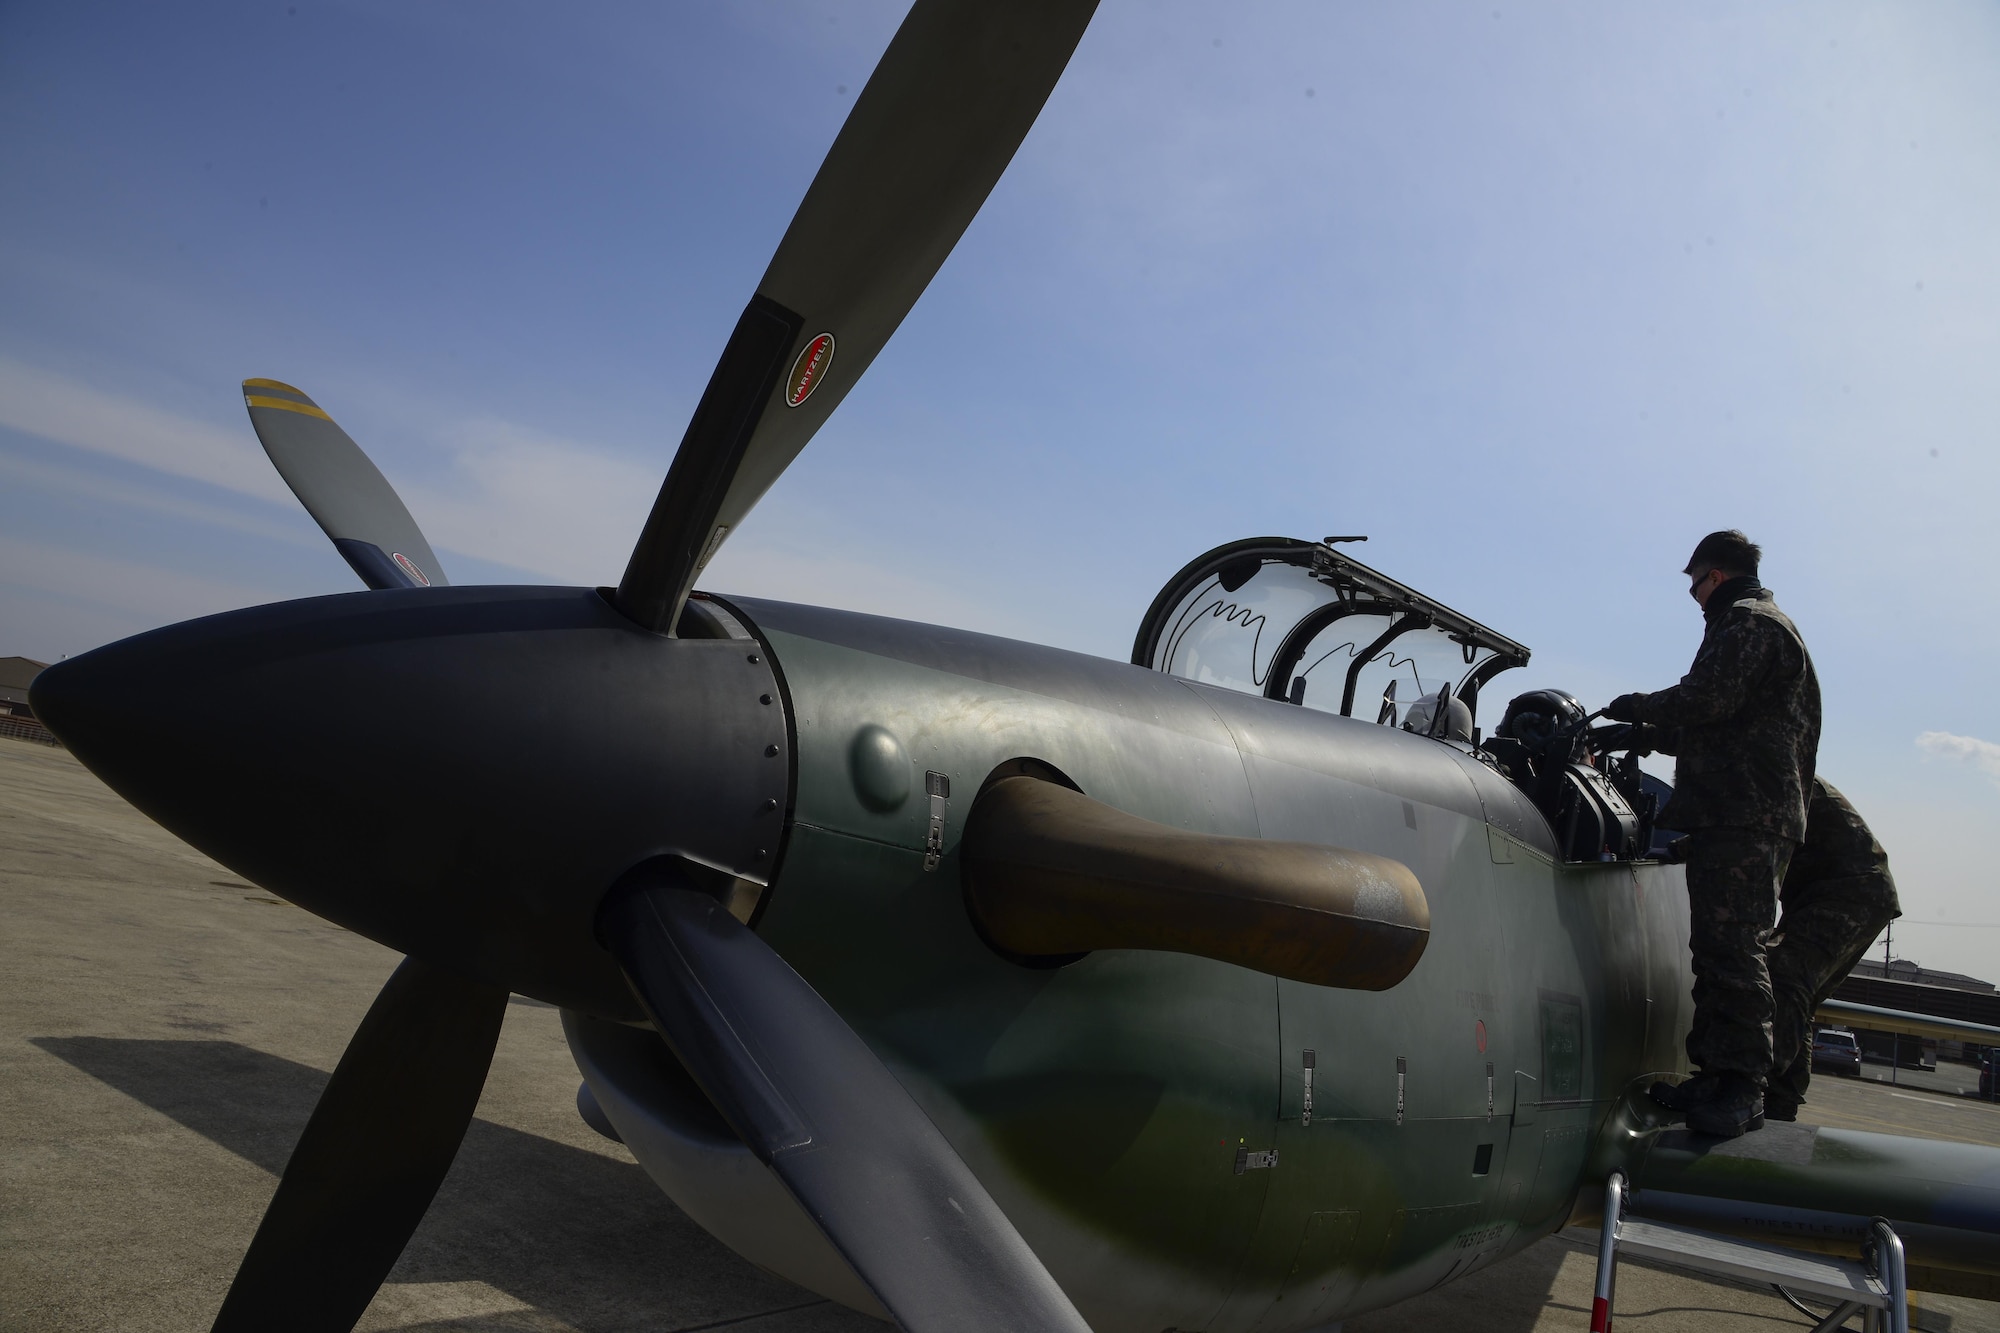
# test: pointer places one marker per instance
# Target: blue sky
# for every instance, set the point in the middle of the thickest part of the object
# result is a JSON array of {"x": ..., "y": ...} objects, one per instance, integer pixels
[{"x": 1532, "y": 297}]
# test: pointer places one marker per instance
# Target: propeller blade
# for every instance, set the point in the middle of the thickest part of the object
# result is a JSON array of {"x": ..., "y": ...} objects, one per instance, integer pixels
[
  {"x": 938, "y": 121},
  {"x": 815, "y": 1104},
  {"x": 372, "y": 1156},
  {"x": 346, "y": 494}
]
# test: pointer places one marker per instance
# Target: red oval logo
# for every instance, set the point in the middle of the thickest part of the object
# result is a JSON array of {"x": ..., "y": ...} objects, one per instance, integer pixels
[
  {"x": 409, "y": 566},
  {"x": 809, "y": 369},
  {"x": 1479, "y": 1034}
]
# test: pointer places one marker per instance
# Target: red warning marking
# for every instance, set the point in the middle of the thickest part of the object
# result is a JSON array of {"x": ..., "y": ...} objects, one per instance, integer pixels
[
  {"x": 809, "y": 369},
  {"x": 1479, "y": 1034},
  {"x": 409, "y": 567},
  {"x": 1600, "y": 1315}
]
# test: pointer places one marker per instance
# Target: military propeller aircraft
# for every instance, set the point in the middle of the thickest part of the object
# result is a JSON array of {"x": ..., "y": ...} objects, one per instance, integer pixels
[{"x": 974, "y": 984}]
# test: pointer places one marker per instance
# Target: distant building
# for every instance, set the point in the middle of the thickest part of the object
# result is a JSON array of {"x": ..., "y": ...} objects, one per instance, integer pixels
[
  {"x": 1919, "y": 990},
  {"x": 16, "y": 718},
  {"x": 16, "y": 674},
  {"x": 1902, "y": 969}
]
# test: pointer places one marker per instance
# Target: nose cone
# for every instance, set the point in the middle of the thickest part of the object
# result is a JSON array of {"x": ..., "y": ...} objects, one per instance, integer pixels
[{"x": 459, "y": 773}]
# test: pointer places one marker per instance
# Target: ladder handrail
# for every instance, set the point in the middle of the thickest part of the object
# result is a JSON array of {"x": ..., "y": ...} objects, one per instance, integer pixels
[
  {"x": 1883, "y": 1263},
  {"x": 1607, "y": 1254},
  {"x": 1889, "y": 1267}
]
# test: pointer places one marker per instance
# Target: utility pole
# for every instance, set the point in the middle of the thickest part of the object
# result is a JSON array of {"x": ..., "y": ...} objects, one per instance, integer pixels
[{"x": 1896, "y": 1038}]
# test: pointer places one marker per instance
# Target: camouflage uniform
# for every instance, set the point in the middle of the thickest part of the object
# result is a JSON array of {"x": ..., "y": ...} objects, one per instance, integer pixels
[
  {"x": 1744, "y": 722},
  {"x": 1838, "y": 895}
]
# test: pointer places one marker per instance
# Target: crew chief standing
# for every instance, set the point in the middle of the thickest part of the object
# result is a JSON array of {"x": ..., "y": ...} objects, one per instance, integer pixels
[{"x": 1744, "y": 723}]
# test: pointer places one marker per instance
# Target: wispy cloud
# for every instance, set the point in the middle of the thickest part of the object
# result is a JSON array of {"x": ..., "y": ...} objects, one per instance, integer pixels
[
  {"x": 55, "y": 407},
  {"x": 145, "y": 594},
  {"x": 559, "y": 507},
  {"x": 81, "y": 481},
  {"x": 1983, "y": 755}
]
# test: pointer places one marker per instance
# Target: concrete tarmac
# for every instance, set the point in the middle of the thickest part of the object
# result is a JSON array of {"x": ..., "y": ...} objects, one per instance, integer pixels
[{"x": 165, "y": 1030}]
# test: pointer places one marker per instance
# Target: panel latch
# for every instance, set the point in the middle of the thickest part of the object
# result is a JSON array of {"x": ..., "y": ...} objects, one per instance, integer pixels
[{"x": 938, "y": 787}]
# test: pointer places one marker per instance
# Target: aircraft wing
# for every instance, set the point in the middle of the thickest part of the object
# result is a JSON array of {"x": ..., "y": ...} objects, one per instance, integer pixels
[
  {"x": 1816, "y": 1187},
  {"x": 1850, "y": 1014}
]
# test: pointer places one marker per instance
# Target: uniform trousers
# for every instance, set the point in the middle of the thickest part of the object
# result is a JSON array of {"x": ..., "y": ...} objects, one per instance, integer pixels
[
  {"x": 1733, "y": 878},
  {"x": 1824, "y": 933}
]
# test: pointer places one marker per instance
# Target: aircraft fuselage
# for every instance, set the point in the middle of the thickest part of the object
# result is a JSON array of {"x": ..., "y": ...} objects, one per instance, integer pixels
[{"x": 1141, "y": 1115}]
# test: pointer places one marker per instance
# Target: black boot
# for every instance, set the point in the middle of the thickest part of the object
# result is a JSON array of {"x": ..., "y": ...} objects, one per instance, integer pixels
[
  {"x": 1684, "y": 1097},
  {"x": 1735, "y": 1107}
]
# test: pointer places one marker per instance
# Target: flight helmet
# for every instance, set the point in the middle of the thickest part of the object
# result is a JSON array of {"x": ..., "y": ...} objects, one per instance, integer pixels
[
  {"x": 1540, "y": 718},
  {"x": 1423, "y": 712}
]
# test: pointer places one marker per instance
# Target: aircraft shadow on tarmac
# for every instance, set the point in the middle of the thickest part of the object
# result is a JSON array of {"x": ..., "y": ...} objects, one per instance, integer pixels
[
  {"x": 579, "y": 1237},
  {"x": 587, "y": 1239},
  {"x": 583, "y": 1238}
]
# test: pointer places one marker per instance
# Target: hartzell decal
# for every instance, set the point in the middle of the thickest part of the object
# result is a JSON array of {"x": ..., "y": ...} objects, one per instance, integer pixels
[
  {"x": 409, "y": 567},
  {"x": 810, "y": 368}
]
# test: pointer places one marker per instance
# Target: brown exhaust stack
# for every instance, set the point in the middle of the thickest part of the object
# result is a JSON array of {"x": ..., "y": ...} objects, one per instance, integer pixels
[{"x": 1050, "y": 871}]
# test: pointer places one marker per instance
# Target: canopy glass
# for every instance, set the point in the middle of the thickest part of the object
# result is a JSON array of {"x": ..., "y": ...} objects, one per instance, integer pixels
[{"x": 1304, "y": 622}]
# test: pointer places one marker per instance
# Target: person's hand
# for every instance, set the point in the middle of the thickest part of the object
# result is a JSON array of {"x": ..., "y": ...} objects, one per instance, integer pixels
[
  {"x": 1625, "y": 708},
  {"x": 1623, "y": 736}
]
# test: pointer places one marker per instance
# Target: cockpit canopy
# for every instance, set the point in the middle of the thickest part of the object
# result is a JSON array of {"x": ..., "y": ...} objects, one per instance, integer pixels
[{"x": 1302, "y": 622}]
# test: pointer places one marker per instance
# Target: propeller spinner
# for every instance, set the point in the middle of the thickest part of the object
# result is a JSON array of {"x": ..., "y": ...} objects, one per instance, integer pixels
[{"x": 541, "y": 790}]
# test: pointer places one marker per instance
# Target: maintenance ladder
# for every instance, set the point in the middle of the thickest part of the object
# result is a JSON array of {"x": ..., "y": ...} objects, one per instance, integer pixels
[{"x": 1872, "y": 1288}]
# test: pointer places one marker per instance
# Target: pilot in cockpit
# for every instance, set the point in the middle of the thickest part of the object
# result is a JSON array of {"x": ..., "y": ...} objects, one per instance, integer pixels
[{"x": 1540, "y": 733}]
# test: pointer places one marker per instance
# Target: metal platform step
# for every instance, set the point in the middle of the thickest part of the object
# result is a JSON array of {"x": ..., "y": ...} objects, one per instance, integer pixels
[{"x": 1873, "y": 1289}]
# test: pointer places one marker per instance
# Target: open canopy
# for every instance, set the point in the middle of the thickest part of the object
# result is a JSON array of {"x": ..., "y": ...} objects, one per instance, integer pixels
[{"x": 1301, "y": 621}]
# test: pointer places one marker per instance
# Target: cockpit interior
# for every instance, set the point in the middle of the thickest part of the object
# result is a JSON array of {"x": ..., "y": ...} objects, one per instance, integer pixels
[{"x": 1305, "y": 624}]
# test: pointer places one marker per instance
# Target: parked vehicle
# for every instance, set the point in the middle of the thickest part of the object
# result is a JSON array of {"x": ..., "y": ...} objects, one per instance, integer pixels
[{"x": 1837, "y": 1050}]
